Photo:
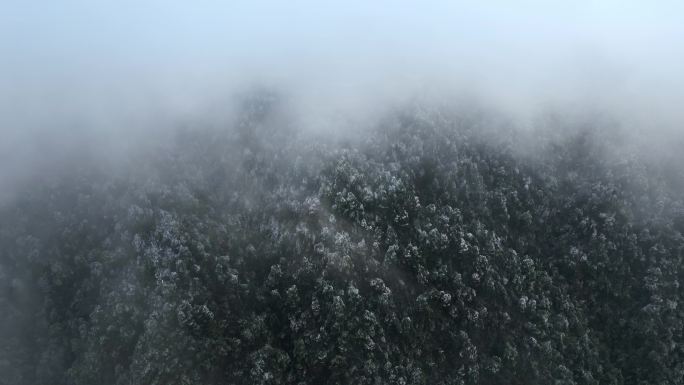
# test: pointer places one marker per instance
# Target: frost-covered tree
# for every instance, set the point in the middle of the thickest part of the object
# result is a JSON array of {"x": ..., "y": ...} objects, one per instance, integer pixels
[{"x": 432, "y": 249}]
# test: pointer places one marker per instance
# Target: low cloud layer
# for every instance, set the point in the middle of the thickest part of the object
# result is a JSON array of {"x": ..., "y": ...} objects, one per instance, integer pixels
[{"x": 78, "y": 73}]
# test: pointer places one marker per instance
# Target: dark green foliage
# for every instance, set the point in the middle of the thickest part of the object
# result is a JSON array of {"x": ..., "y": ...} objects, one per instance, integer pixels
[{"x": 424, "y": 252}]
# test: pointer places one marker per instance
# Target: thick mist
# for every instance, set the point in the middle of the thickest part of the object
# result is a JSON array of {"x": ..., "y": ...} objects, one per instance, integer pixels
[
  {"x": 348, "y": 192},
  {"x": 82, "y": 74}
]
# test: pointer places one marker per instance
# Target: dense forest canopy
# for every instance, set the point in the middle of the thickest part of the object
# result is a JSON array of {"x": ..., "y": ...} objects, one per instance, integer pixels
[{"x": 433, "y": 248}]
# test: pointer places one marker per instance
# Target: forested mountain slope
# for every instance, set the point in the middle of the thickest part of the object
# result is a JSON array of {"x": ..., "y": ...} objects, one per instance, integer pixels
[{"x": 428, "y": 250}]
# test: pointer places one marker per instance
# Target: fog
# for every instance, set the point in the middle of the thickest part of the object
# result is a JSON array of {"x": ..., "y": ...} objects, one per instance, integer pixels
[
  {"x": 87, "y": 74},
  {"x": 349, "y": 191}
]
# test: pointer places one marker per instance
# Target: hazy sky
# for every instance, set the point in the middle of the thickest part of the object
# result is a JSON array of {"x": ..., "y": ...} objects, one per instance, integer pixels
[{"x": 97, "y": 63}]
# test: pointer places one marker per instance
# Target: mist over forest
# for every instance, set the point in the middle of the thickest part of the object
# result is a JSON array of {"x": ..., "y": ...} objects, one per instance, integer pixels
[{"x": 386, "y": 193}]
